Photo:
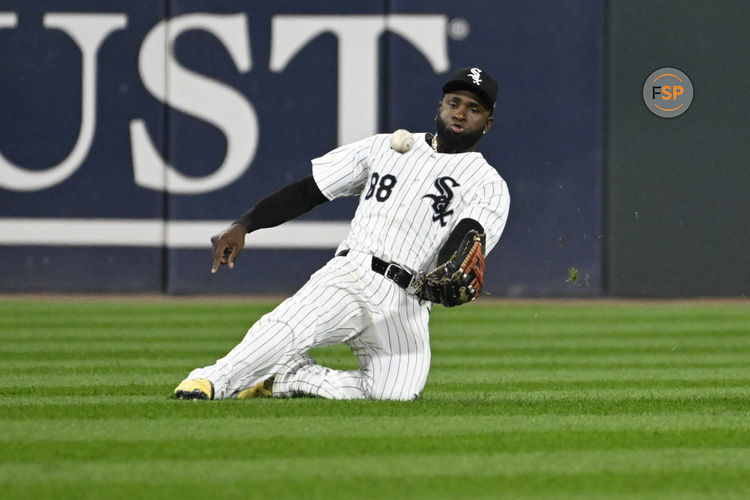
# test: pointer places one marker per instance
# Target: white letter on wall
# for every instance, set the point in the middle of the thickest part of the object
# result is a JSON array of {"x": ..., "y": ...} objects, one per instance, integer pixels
[
  {"x": 358, "y": 57},
  {"x": 88, "y": 31},
  {"x": 199, "y": 96}
]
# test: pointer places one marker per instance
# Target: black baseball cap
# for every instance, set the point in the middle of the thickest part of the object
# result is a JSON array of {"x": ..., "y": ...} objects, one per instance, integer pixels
[{"x": 475, "y": 80}]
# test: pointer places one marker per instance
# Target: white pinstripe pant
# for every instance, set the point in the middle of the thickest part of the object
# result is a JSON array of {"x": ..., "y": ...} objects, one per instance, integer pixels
[{"x": 343, "y": 302}]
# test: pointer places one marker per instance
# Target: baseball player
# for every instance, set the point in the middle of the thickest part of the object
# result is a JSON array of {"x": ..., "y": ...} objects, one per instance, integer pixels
[{"x": 428, "y": 213}]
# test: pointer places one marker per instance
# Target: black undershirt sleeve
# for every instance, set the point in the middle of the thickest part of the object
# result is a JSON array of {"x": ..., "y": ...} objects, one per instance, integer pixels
[
  {"x": 457, "y": 236},
  {"x": 284, "y": 205}
]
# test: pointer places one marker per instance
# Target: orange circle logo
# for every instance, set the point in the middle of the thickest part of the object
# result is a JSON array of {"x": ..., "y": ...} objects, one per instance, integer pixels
[{"x": 668, "y": 92}]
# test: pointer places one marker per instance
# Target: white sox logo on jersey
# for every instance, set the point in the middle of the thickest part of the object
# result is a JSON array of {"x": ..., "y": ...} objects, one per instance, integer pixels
[{"x": 441, "y": 202}]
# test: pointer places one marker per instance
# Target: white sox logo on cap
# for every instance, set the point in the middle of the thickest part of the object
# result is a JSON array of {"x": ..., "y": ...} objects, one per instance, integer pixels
[
  {"x": 476, "y": 75},
  {"x": 474, "y": 80}
]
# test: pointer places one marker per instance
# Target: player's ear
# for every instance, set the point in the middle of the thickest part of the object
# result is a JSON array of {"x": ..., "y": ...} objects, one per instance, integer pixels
[{"x": 488, "y": 124}]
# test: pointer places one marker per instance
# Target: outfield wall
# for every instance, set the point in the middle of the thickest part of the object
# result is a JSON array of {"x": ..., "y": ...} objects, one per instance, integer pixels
[
  {"x": 677, "y": 189},
  {"x": 131, "y": 133}
]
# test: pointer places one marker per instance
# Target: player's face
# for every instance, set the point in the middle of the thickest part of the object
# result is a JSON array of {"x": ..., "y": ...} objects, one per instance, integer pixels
[{"x": 461, "y": 121}]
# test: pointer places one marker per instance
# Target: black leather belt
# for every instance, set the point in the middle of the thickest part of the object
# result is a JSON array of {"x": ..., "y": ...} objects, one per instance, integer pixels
[{"x": 393, "y": 272}]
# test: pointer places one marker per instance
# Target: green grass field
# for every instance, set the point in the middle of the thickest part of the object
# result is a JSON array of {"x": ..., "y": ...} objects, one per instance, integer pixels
[{"x": 524, "y": 400}]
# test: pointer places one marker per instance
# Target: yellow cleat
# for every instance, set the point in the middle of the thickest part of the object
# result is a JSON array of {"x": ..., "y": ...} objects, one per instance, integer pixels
[
  {"x": 260, "y": 390},
  {"x": 195, "y": 388}
]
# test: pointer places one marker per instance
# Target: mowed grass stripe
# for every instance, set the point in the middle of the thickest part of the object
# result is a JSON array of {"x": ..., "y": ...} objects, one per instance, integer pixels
[
  {"x": 447, "y": 344},
  {"x": 577, "y": 385},
  {"x": 570, "y": 329},
  {"x": 538, "y": 374},
  {"x": 536, "y": 400},
  {"x": 709, "y": 483},
  {"x": 624, "y": 355},
  {"x": 99, "y": 346},
  {"x": 83, "y": 350},
  {"x": 595, "y": 359},
  {"x": 249, "y": 446},
  {"x": 598, "y": 394},
  {"x": 673, "y": 459},
  {"x": 622, "y": 342},
  {"x": 103, "y": 315},
  {"x": 107, "y": 365},
  {"x": 137, "y": 352},
  {"x": 300, "y": 427},
  {"x": 638, "y": 375},
  {"x": 90, "y": 365},
  {"x": 130, "y": 385},
  {"x": 63, "y": 378},
  {"x": 478, "y": 404},
  {"x": 616, "y": 373},
  {"x": 592, "y": 310},
  {"x": 574, "y": 331},
  {"x": 655, "y": 389}
]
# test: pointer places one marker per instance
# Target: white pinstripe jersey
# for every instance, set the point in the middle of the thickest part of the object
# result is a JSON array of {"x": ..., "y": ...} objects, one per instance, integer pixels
[{"x": 409, "y": 203}]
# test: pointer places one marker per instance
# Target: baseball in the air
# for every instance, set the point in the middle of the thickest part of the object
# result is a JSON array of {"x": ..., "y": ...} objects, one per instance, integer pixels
[{"x": 402, "y": 140}]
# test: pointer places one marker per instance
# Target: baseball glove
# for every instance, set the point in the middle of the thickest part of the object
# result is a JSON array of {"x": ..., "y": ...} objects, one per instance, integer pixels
[{"x": 459, "y": 280}]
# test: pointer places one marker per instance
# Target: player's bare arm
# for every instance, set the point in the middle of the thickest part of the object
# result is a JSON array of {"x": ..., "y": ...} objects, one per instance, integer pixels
[{"x": 284, "y": 205}]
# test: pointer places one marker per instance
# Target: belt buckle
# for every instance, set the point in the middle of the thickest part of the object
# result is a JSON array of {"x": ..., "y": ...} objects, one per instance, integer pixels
[
  {"x": 391, "y": 272},
  {"x": 413, "y": 286},
  {"x": 391, "y": 276}
]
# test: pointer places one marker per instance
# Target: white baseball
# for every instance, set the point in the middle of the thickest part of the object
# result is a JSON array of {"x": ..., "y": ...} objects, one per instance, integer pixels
[{"x": 402, "y": 140}]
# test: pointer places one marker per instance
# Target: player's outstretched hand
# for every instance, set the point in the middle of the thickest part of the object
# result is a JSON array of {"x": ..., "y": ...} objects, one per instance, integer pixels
[{"x": 227, "y": 245}]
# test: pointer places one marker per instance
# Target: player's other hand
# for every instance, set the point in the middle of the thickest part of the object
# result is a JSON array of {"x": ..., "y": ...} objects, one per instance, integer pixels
[{"x": 227, "y": 245}]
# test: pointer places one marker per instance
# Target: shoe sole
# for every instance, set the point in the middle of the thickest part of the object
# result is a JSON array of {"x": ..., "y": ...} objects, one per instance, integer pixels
[{"x": 196, "y": 394}]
